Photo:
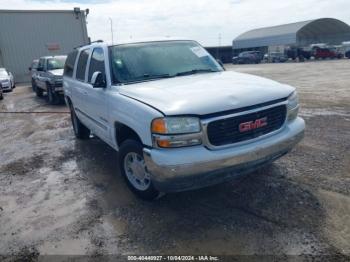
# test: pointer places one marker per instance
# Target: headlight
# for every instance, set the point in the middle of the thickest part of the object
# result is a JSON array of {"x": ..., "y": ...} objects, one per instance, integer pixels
[
  {"x": 293, "y": 106},
  {"x": 176, "y": 131},
  {"x": 57, "y": 79},
  {"x": 176, "y": 125}
]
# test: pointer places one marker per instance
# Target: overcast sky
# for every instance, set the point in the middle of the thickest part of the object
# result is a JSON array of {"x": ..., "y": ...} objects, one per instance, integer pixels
[{"x": 202, "y": 20}]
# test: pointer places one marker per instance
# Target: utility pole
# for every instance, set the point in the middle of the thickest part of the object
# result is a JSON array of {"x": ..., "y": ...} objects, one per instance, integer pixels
[
  {"x": 217, "y": 50},
  {"x": 111, "y": 21}
]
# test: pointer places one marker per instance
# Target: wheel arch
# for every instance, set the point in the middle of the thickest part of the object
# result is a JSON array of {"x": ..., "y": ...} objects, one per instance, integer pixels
[
  {"x": 68, "y": 101},
  {"x": 123, "y": 132}
]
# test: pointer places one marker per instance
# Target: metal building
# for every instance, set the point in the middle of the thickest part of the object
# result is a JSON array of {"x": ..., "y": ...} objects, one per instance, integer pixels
[
  {"x": 223, "y": 53},
  {"x": 28, "y": 34},
  {"x": 300, "y": 34}
]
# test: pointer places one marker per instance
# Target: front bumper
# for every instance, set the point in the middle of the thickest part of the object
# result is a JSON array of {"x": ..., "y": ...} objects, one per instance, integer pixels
[
  {"x": 182, "y": 169},
  {"x": 6, "y": 86}
]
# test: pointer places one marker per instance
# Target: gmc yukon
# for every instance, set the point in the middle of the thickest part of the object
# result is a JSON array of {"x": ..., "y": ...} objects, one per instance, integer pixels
[{"x": 178, "y": 120}]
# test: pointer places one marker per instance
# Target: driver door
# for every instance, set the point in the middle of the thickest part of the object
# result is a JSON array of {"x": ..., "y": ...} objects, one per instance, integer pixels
[{"x": 96, "y": 97}]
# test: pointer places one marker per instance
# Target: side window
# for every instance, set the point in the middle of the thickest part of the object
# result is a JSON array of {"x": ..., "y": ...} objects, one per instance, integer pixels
[
  {"x": 97, "y": 62},
  {"x": 69, "y": 65},
  {"x": 81, "y": 67}
]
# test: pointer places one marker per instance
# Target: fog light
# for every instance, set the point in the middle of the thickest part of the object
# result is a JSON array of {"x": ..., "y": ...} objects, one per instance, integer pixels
[
  {"x": 293, "y": 113},
  {"x": 169, "y": 142}
]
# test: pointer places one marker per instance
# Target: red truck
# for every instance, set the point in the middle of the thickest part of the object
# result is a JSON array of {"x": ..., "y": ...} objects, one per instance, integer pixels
[{"x": 326, "y": 53}]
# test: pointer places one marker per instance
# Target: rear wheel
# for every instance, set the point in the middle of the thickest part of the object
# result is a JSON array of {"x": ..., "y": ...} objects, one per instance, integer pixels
[
  {"x": 134, "y": 170},
  {"x": 38, "y": 91},
  {"x": 80, "y": 130}
]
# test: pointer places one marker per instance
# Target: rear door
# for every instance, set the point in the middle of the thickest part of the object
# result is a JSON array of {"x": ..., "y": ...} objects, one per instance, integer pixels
[
  {"x": 68, "y": 80},
  {"x": 81, "y": 87}
]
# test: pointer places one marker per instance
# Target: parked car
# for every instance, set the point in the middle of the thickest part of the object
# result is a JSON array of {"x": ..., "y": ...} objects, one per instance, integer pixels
[
  {"x": 275, "y": 57},
  {"x": 347, "y": 54},
  {"x": 323, "y": 53},
  {"x": 6, "y": 80},
  {"x": 1, "y": 93},
  {"x": 48, "y": 78},
  {"x": 300, "y": 53},
  {"x": 33, "y": 71},
  {"x": 178, "y": 120},
  {"x": 247, "y": 57}
]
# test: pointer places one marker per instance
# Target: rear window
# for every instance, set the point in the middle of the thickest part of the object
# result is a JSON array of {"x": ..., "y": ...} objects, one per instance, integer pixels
[
  {"x": 69, "y": 65},
  {"x": 81, "y": 67}
]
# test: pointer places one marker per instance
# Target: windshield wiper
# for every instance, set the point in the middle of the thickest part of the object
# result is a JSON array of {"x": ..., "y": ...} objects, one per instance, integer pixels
[
  {"x": 147, "y": 77},
  {"x": 195, "y": 71},
  {"x": 155, "y": 76}
]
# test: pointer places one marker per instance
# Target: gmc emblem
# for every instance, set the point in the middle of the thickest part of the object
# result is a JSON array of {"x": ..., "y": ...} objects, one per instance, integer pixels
[{"x": 251, "y": 125}]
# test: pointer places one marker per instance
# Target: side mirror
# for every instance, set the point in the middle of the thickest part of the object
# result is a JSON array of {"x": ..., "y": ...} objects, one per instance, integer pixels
[
  {"x": 29, "y": 68},
  {"x": 98, "y": 80}
]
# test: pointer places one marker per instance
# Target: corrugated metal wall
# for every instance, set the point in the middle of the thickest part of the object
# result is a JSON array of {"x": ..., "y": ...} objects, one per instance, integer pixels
[{"x": 25, "y": 35}]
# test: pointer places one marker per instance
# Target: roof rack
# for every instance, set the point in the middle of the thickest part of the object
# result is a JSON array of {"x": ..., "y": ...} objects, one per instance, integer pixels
[{"x": 97, "y": 41}]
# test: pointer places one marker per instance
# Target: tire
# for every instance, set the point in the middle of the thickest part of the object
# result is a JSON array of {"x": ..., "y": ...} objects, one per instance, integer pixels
[
  {"x": 80, "y": 130},
  {"x": 38, "y": 91},
  {"x": 33, "y": 86},
  {"x": 52, "y": 97},
  {"x": 1, "y": 96},
  {"x": 130, "y": 152}
]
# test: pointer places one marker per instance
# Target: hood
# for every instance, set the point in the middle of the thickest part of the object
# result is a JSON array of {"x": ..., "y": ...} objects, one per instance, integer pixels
[
  {"x": 57, "y": 72},
  {"x": 202, "y": 94},
  {"x": 5, "y": 78}
]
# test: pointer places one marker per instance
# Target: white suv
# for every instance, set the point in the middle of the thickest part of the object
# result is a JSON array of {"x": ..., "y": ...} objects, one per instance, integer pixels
[{"x": 177, "y": 118}]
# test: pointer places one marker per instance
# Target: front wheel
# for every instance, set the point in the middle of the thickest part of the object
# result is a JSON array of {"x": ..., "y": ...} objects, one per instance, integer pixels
[
  {"x": 52, "y": 96},
  {"x": 134, "y": 170},
  {"x": 33, "y": 86},
  {"x": 38, "y": 91}
]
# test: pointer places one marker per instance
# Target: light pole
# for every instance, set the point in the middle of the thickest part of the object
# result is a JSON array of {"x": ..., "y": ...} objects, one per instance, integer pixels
[
  {"x": 217, "y": 50},
  {"x": 111, "y": 21}
]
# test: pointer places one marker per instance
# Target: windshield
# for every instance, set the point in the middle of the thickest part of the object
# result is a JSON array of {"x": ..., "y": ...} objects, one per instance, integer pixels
[
  {"x": 146, "y": 61},
  {"x": 56, "y": 63}
]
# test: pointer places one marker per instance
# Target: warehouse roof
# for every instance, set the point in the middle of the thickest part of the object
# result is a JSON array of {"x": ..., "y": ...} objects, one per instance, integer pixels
[
  {"x": 39, "y": 11},
  {"x": 290, "y": 33}
]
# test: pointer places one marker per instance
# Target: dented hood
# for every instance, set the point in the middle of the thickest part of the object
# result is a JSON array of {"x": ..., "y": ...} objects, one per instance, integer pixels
[{"x": 207, "y": 93}]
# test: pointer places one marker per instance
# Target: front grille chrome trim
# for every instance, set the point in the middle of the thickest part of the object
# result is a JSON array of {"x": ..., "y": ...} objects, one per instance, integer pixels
[{"x": 205, "y": 122}]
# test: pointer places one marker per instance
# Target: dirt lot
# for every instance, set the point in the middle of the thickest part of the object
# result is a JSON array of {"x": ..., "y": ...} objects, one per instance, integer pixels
[{"x": 60, "y": 196}]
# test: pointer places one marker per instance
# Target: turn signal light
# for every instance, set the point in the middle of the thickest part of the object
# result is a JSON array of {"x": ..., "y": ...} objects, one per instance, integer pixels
[
  {"x": 159, "y": 126},
  {"x": 170, "y": 142},
  {"x": 163, "y": 143}
]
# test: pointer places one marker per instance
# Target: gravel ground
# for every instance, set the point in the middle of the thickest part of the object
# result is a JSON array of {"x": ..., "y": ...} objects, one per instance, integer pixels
[{"x": 60, "y": 196}]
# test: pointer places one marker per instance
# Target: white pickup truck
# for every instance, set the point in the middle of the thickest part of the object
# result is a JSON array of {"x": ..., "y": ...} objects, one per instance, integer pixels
[{"x": 178, "y": 120}]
